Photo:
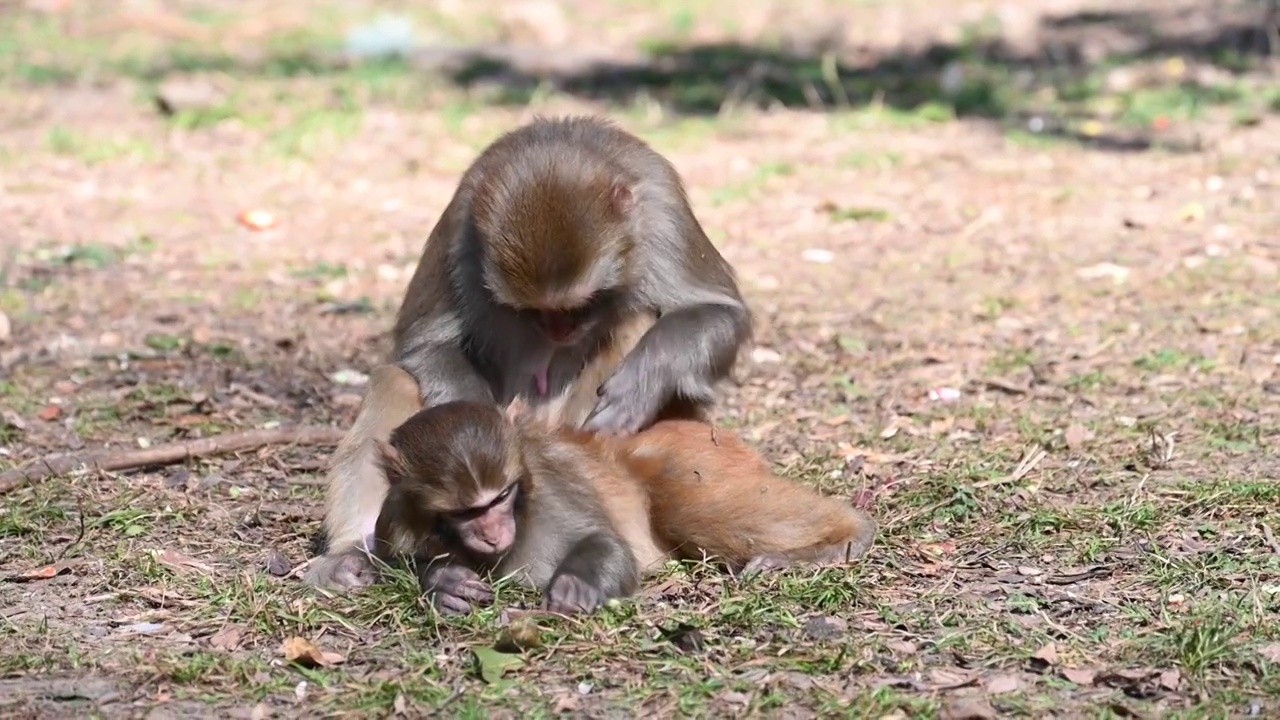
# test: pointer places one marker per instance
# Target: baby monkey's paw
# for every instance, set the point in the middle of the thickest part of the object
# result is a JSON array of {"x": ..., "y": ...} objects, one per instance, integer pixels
[
  {"x": 453, "y": 589},
  {"x": 569, "y": 594}
]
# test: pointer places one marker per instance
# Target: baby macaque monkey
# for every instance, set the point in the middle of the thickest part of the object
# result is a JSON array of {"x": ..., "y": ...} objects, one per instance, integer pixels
[{"x": 583, "y": 517}]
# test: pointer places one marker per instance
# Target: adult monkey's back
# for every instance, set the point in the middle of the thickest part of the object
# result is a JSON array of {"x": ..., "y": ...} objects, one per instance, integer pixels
[{"x": 560, "y": 237}]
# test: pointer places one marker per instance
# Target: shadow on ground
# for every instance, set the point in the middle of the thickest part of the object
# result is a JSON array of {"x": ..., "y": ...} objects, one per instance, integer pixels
[{"x": 1045, "y": 77}]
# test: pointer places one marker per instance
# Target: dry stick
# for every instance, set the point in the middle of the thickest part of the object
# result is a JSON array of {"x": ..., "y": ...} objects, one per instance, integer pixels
[{"x": 51, "y": 465}]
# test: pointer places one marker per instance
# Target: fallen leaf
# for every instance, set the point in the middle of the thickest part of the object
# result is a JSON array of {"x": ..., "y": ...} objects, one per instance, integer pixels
[
  {"x": 949, "y": 678},
  {"x": 228, "y": 638},
  {"x": 492, "y": 664},
  {"x": 1170, "y": 679},
  {"x": 400, "y": 705},
  {"x": 1001, "y": 684},
  {"x": 49, "y": 413},
  {"x": 1076, "y": 435},
  {"x": 940, "y": 549},
  {"x": 41, "y": 573},
  {"x": 1091, "y": 128},
  {"x": 1270, "y": 651},
  {"x": 182, "y": 563},
  {"x": 303, "y": 652},
  {"x": 1079, "y": 676},
  {"x": 902, "y": 647},
  {"x": 1048, "y": 654},
  {"x": 970, "y": 707}
]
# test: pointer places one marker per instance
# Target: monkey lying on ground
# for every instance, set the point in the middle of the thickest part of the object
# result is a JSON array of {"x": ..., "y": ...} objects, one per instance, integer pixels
[
  {"x": 558, "y": 234},
  {"x": 582, "y": 517}
]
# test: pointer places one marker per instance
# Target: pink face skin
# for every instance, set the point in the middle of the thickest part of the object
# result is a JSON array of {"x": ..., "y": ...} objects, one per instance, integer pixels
[{"x": 489, "y": 529}]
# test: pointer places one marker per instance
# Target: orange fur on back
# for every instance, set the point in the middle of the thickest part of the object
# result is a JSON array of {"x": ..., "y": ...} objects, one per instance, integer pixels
[{"x": 709, "y": 494}]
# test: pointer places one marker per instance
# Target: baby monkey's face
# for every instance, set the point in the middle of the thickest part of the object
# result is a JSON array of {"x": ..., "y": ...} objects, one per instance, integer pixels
[{"x": 486, "y": 524}]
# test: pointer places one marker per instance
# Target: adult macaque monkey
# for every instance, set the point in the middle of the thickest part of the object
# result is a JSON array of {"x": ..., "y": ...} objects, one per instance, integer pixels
[
  {"x": 583, "y": 517},
  {"x": 558, "y": 234}
]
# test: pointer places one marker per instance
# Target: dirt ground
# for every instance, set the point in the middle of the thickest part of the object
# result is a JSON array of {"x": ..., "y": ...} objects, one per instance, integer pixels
[{"x": 1015, "y": 267}]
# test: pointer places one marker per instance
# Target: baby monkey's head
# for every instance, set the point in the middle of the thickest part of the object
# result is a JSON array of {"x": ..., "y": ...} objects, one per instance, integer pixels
[{"x": 457, "y": 469}]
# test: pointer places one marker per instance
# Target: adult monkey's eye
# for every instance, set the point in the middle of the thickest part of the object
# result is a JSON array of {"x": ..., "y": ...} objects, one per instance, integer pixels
[{"x": 505, "y": 493}]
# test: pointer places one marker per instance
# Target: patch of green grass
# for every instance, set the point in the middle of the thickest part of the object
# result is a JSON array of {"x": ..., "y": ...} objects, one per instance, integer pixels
[
  {"x": 93, "y": 150},
  {"x": 746, "y": 189},
  {"x": 860, "y": 214},
  {"x": 322, "y": 270},
  {"x": 1010, "y": 360},
  {"x": 316, "y": 132},
  {"x": 867, "y": 159}
]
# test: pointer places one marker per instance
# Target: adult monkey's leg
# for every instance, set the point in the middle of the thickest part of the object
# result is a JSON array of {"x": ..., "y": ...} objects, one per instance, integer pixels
[{"x": 356, "y": 484}]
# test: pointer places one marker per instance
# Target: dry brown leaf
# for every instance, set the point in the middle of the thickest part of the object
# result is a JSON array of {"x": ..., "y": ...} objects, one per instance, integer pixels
[
  {"x": 227, "y": 639},
  {"x": 1076, "y": 436},
  {"x": 939, "y": 549},
  {"x": 971, "y": 707},
  {"x": 1001, "y": 684},
  {"x": 1270, "y": 651},
  {"x": 1079, "y": 676},
  {"x": 305, "y": 653},
  {"x": 49, "y": 413},
  {"x": 948, "y": 678},
  {"x": 1047, "y": 654},
  {"x": 41, "y": 573},
  {"x": 1170, "y": 679},
  {"x": 182, "y": 563},
  {"x": 902, "y": 647}
]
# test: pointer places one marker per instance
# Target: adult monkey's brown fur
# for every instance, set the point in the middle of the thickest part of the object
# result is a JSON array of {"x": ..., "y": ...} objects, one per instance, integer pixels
[
  {"x": 583, "y": 517},
  {"x": 558, "y": 234}
]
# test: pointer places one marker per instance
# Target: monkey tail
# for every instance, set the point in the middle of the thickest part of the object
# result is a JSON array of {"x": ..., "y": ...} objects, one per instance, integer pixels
[{"x": 712, "y": 495}]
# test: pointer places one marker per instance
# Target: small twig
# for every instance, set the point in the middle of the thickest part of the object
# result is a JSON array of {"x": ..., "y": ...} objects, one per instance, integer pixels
[
  {"x": 1030, "y": 460},
  {"x": 79, "y": 535},
  {"x": 51, "y": 465},
  {"x": 1271, "y": 538}
]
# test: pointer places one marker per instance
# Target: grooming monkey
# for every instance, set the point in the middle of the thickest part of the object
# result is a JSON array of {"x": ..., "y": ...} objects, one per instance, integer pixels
[
  {"x": 558, "y": 233},
  {"x": 583, "y": 517}
]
